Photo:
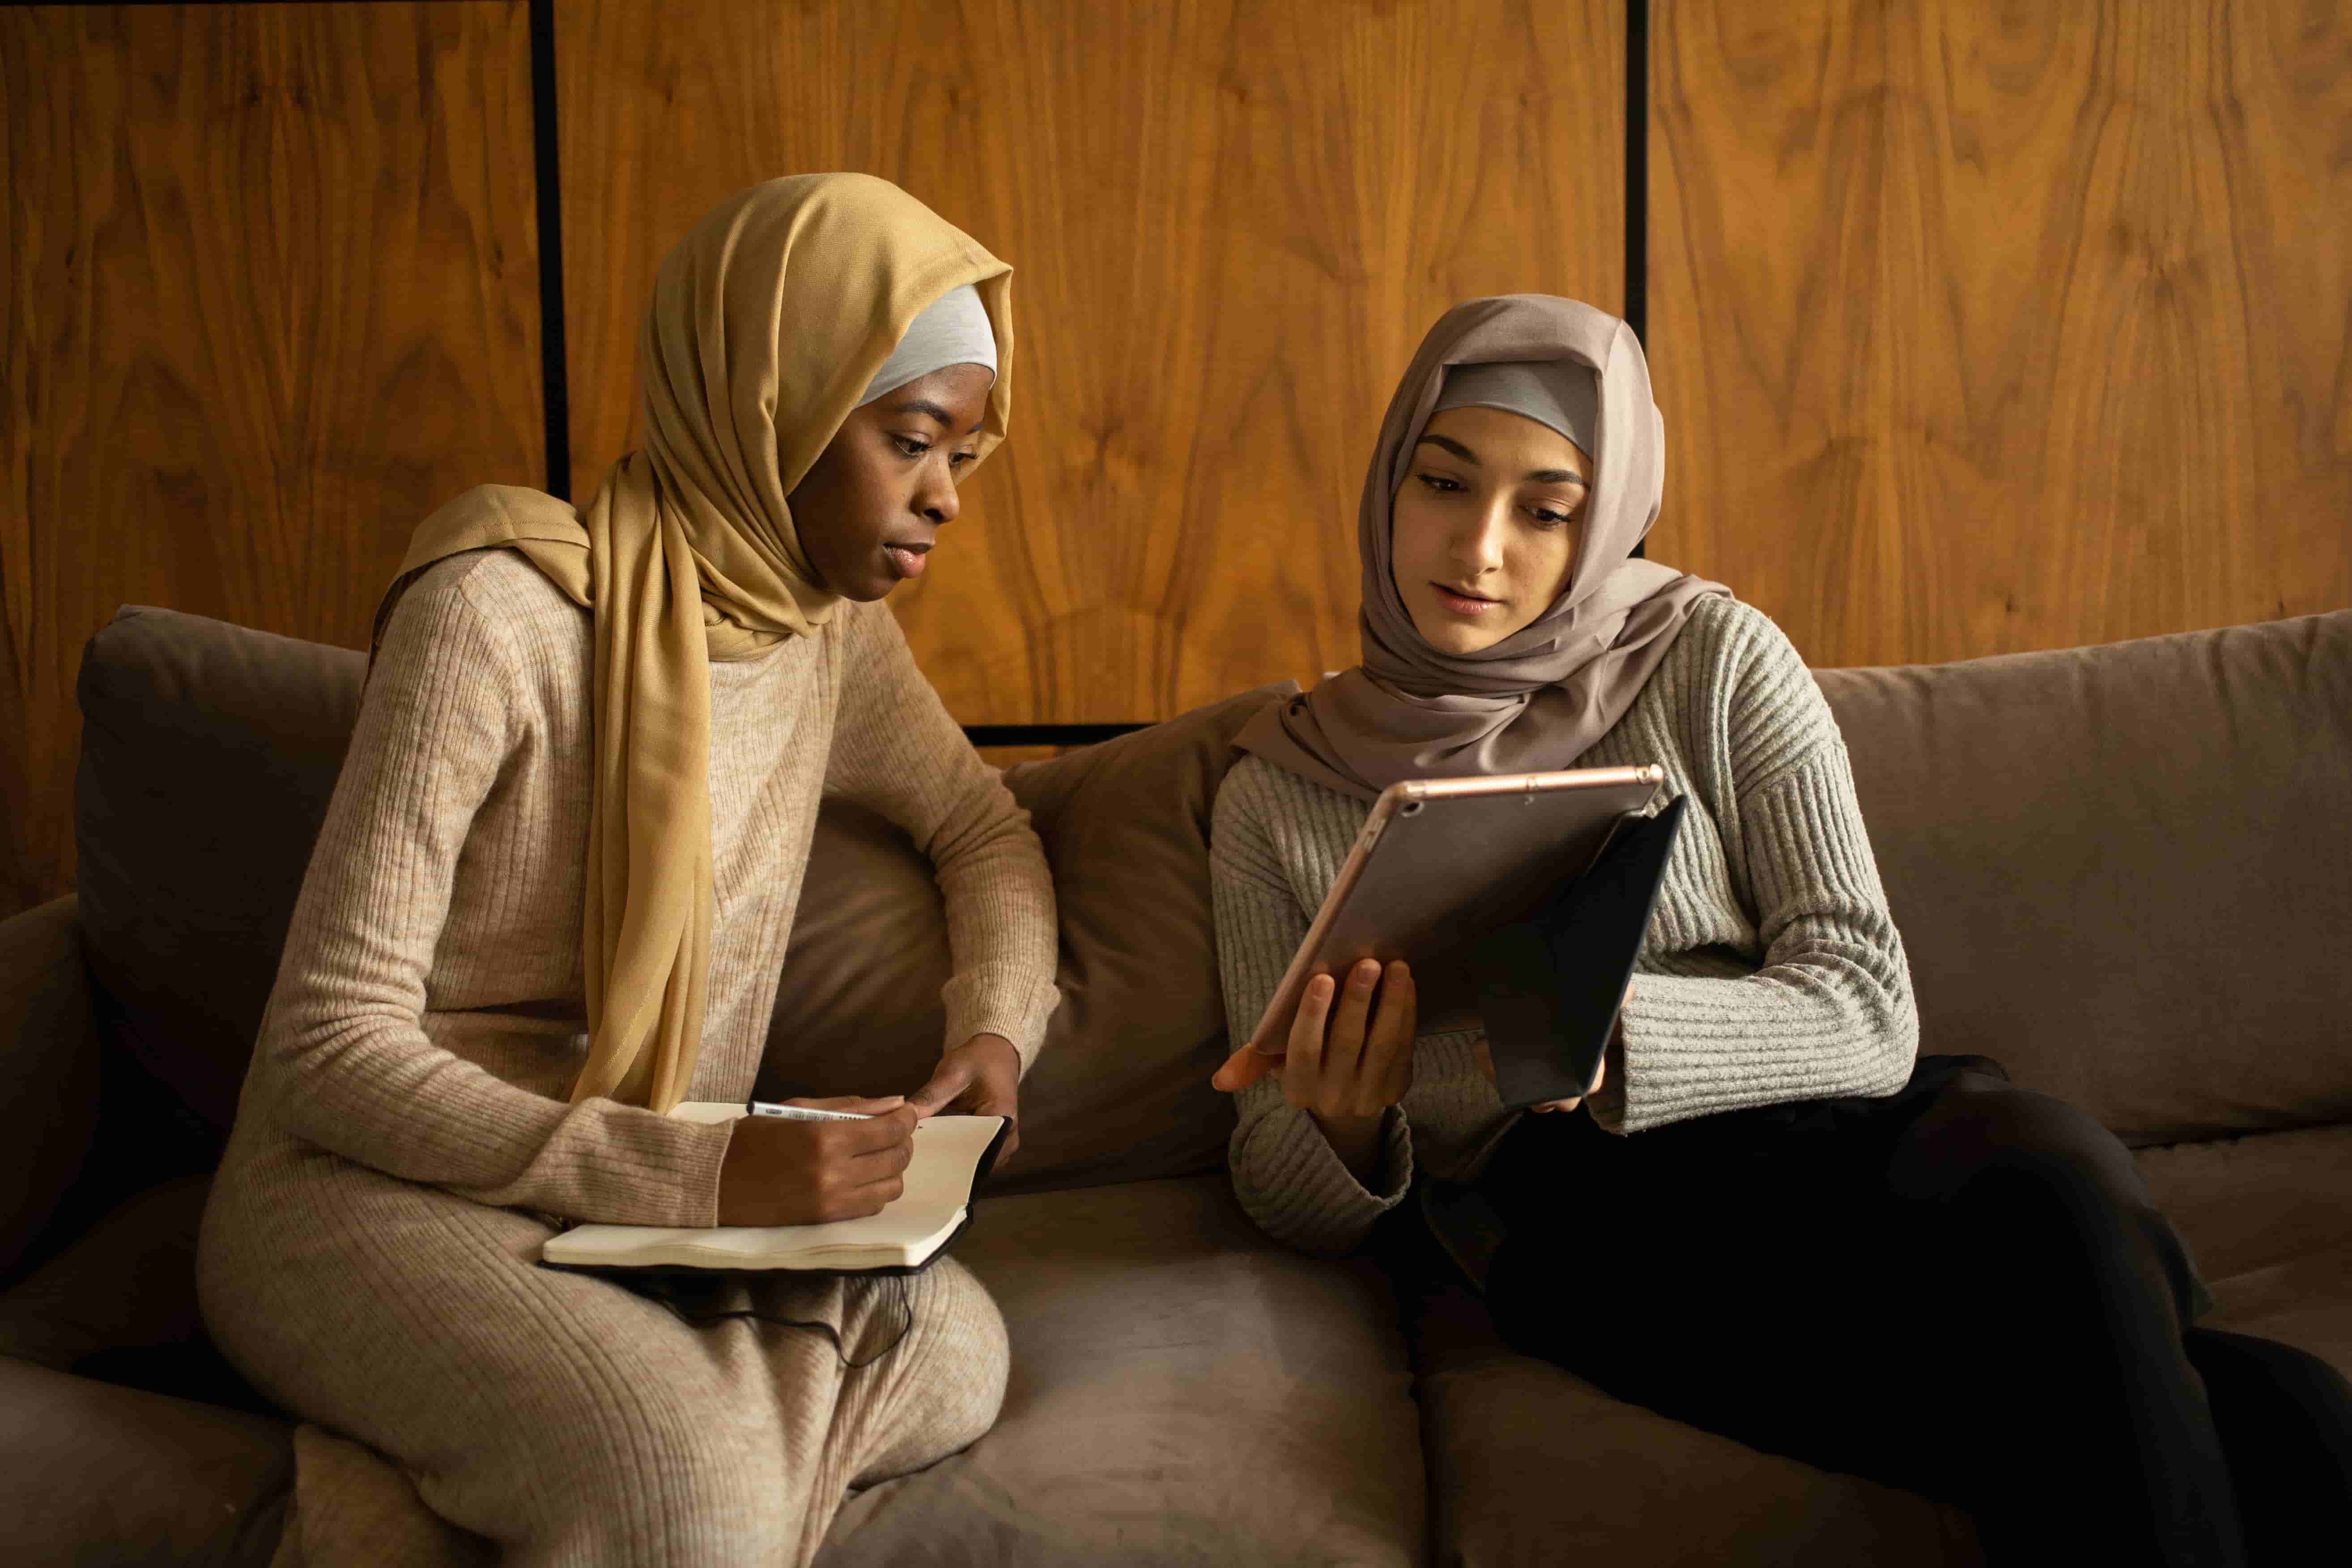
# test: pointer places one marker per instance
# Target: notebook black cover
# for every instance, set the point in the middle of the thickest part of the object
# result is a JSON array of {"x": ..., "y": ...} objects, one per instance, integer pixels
[{"x": 1550, "y": 985}]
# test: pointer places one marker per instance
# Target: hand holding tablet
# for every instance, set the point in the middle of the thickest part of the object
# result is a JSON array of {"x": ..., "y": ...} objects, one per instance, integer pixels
[{"x": 1459, "y": 869}]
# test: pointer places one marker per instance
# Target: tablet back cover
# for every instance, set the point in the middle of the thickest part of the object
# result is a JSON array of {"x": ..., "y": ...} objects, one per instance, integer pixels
[{"x": 1550, "y": 985}]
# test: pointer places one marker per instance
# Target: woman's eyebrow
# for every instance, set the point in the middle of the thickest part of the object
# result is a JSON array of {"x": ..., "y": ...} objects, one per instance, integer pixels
[
  {"x": 1539, "y": 475},
  {"x": 925, "y": 405}
]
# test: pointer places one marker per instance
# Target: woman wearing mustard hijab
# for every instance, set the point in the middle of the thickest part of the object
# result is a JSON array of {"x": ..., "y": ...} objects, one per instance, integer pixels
[{"x": 551, "y": 900}]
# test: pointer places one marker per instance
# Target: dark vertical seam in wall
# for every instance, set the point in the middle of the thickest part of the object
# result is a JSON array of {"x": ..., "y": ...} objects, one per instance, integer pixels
[
  {"x": 554, "y": 389},
  {"x": 1637, "y": 166},
  {"x": 1637, "y": 176}
]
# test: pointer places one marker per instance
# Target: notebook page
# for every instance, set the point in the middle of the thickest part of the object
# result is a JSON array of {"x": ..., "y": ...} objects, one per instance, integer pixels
[{"x": 938, "y": 1183}]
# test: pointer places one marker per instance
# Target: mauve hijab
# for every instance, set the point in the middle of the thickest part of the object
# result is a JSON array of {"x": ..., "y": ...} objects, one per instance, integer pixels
[{"x": 1541, "y": 698}]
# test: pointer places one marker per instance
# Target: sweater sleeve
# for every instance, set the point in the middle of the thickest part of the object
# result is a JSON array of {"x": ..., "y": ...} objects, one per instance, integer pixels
[
  {"x": 1286, "y": 1174},
  {"x": 342, "y": 1045},
  {"x": 897, "y": 749},
  {"x": 1828, "y": 1012}
]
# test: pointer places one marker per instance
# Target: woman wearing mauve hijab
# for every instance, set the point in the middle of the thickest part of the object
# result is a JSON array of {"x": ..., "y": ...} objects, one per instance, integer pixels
[
  {"x": 551, "y": 900},
  {"x": 1768, "y": 1218}
]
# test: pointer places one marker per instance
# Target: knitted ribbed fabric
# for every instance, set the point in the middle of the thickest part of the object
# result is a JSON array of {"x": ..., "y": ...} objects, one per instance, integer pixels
[
  {"x": 370, "y": 1254},
  {"x": 1772, "y": 970}
]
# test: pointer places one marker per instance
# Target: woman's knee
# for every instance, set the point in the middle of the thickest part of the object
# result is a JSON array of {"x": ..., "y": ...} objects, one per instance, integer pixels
[
  {"x": 1992, "y": 1141},
  {"x": 946, "y": 1380},
  {"x": 2004, "y": 1183},
  {"x": 965, "y": 1350},
  {"x": 691, "y": 1495}
]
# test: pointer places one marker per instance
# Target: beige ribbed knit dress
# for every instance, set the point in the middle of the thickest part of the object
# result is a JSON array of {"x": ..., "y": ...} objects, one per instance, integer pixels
[
  {"x": 369, "y": 1256},
  {"x": 1771, "y": 971}
]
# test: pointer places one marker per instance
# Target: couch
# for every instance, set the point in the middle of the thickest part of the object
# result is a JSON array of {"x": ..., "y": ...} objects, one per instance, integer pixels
[{"x": 2126, "y": 871}]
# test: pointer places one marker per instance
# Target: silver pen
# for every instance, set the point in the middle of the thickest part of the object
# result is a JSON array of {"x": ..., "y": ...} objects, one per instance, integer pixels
[{"x": 800, "y": 1112}]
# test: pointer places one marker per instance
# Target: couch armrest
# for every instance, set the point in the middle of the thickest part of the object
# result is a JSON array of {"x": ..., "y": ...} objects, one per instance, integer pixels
[
  {"x": 90, "y": 1473},
  {"x": 48, "y": 1070}
]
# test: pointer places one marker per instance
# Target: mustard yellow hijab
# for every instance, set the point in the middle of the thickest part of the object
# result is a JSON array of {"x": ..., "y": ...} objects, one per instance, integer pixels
[{"x": 767, "y": 322}]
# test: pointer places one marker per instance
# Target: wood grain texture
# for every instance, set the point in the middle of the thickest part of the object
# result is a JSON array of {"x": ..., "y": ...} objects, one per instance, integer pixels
[
  {"x": 1981, "y": 327},
  {"x": 272, "y": 297},
  {"x": 1230, "y": 224}
]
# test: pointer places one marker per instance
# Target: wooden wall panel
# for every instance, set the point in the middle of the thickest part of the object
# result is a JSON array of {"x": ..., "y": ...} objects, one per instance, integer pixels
[
  {"x": 272, "y": 295},
  {"x": 1984, "y": 327},
  {"x": 1230, "y": 223}
]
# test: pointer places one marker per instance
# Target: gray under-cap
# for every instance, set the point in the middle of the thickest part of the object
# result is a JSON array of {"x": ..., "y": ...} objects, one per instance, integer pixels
[
  {"x": 1558, "y": 393},
  {"x": 952, "y": 329}
]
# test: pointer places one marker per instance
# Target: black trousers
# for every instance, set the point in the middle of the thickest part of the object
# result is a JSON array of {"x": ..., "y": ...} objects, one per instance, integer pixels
[{"x": 1963, "y": 1290}]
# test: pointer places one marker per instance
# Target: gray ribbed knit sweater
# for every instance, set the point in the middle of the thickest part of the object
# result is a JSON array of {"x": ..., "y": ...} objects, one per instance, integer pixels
[{"x": 1771, "y": 971}]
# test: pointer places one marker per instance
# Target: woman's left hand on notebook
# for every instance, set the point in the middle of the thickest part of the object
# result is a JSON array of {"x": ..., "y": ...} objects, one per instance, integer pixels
[{"x": 980, "y": 1078}]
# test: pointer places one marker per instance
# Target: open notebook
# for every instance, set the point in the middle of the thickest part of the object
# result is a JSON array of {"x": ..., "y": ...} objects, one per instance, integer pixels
[{"x": 949, "y": 1154}]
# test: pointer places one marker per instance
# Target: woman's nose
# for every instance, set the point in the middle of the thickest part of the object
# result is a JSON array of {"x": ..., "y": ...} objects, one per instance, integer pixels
[
  {"x": 1478, "y": 547},
  {"x": 937, "y": 498}
]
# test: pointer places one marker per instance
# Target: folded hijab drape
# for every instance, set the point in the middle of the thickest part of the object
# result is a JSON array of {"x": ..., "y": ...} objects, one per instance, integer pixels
[
  {"x": 768, "y": 323},
  {"x": 1539, "y": 699}
]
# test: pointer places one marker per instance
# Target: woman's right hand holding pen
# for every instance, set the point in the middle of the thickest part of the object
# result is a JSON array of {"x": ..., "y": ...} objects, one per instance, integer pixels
[
  {"x": 779, "y": 1172},
  {"x": 1348, "y": 1059}
]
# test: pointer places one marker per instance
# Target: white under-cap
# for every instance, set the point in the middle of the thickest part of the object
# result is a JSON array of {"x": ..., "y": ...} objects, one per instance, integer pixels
[
  {"x": 1558, "y": 393},
  {"x": 952, "y": 329}
]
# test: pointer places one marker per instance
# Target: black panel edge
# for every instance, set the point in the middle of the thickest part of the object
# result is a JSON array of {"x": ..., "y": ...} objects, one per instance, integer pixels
[
  {"x": 1637, "y": 168},
  {"x": 1637, "y": 182},
  {"x": 1046, "y": 734},
  {"x": 556, "y": 389}
]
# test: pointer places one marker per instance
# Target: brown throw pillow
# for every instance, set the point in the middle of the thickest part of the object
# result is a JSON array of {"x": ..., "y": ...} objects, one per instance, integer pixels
[
  {"x": 208, "y": 754},
  {"x": 1121, "y": 1092}
]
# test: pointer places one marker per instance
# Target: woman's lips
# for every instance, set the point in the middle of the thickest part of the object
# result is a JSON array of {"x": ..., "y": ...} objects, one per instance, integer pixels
[
  {"x": 1464, "y": 603},
  {"x": 907, "y": 563}
]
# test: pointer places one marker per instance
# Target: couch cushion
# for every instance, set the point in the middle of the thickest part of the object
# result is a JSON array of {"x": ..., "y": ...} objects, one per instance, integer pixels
[
  {"x": 2127, "y": 871},
  {"x": 119, "y": 1304},
  {"x": 49, "y": 1072},
  {"x": 94, "y": 1474},
  {"x": 208, "y": 753},
  {"x": 2269, "y": 1220},
  {"x": 128, "y": 1283},
  {"x": 1503, "y": 1431},
  {"x": 1121, "y": 1092},
  {"x": 1183, "y": 1392}
]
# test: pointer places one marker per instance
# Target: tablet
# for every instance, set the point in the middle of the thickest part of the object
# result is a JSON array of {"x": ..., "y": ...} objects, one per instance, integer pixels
[
  {"x": 1440, "y": 861},
  {"x": 1550, "y": 986}
]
